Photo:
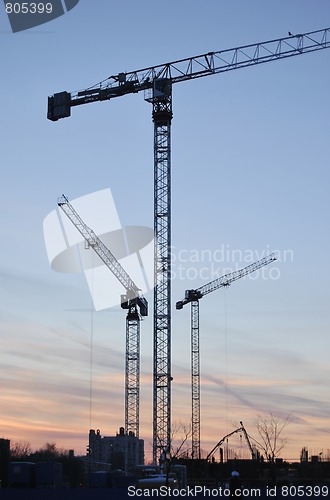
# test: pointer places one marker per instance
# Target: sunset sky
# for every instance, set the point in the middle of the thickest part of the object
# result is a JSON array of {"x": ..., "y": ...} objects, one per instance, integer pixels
[{"x": 250, "y": 175}]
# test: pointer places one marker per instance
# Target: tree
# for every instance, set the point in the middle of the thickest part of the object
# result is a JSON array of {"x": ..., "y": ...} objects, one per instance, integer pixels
[
  {"x": 181, "y": 432},
  {"x": 73, "y": 467},
  {"x": 20, "y": 450},
  {"x": 49, "y": 453},
  {"x": 270, "y": 428}
]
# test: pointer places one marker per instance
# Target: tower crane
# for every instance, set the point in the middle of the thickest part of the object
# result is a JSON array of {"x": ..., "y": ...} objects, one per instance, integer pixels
[
  {"x": 239, "y": 429},
  {"x": 136, "y": 306},
  {"x": 193, "y": 297},
  {"x": 156, "y": 82}
]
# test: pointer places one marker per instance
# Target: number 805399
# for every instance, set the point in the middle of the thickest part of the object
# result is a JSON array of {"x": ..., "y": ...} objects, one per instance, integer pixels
[
  {"x": 29, "y": 8},
  {"x": 307, "y": 491}
]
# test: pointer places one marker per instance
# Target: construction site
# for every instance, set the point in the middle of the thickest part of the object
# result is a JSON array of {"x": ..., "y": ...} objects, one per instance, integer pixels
[
  {"x": 137, "y": 268},
  {"x": 156, "y": 83}
]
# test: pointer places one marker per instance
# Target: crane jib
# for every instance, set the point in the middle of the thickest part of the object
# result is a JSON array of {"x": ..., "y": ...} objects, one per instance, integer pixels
[
  {"x": 132, "y": 290},
  {"x": 210, "y": 63},
  {"x": 224, "y": 281}
]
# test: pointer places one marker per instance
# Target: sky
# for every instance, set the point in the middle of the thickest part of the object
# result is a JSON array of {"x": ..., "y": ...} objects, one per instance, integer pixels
[{"x": 250, "y": 175}]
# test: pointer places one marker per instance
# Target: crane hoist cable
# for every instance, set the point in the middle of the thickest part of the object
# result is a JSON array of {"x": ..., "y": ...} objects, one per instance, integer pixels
[
  {"x": 91, "y": 356},
  {"x": 226, "y": 354}
]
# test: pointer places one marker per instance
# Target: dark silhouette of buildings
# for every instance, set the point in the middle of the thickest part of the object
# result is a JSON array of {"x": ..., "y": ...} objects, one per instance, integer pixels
[
  {"x": 122, "y": 451},
  {"x": 4, "y": 460}
]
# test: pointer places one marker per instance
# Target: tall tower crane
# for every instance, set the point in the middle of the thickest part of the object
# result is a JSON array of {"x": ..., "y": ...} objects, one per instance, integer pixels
[
  {"x": 136, "y": 305},
  {"x": 156, "y": 82},
  {"x": 193, "y": 297}
]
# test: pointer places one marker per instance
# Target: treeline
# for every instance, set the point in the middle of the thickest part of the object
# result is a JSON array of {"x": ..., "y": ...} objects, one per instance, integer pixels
[{"x": 73, "y": 467}]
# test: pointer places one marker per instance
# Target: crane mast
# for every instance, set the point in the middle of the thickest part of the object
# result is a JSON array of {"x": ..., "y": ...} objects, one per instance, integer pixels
[
  {"x": 193, "y": 297},
  {"x": 195, "y": 381},
  {"x": 162, "y": 117},
  {"x": 136, "y": 305},
  {"x": 156, "y": 82}
]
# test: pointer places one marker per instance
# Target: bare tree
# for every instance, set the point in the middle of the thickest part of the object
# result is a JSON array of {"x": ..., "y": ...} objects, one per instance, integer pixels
[
  {"x": 270, "y": 428},
  {"x": 20, "y": 449},
  {"x": 181, "y": 432}
]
